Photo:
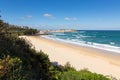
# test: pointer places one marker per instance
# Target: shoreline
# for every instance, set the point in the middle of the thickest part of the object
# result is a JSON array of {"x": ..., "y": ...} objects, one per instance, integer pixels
[
  {"x": 104, "y": 54},
  {"x": 79, "y": 57},
  {"x": 92, "y": 46}
]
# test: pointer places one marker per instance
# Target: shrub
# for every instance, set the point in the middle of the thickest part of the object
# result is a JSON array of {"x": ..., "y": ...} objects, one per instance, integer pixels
[
  {"x": 35, "y": 65},
  {"x": 81, "y": 75},
  {"x": 10, "y": 68}
]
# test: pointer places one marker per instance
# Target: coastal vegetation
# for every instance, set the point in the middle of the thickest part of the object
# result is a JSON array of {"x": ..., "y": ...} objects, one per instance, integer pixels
[
  {"x": 6, "y": 28},
  {"x": 18, "y": 61}
]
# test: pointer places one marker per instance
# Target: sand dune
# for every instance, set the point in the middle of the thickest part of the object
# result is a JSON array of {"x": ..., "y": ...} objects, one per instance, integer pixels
[{"x": 79, "y": 57}]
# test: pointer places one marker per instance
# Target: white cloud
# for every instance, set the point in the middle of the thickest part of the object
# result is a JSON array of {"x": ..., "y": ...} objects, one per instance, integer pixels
[
  {"x": 66, "y": 18},
  {"x": 48, "y": 15},
  {"x": 22, "y": 18},
  {"x": 70, "y": 18},
  {"x": 26, "y": 17}
]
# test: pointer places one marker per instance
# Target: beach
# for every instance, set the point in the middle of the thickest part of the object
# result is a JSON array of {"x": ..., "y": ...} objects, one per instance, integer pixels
[{"x": 79, "y": 57}]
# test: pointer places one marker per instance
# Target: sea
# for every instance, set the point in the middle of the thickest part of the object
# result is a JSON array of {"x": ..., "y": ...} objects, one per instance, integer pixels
[{"x": 108, "y": 40}]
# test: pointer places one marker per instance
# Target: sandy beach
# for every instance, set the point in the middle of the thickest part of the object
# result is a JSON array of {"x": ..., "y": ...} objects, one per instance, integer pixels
[{"x": 79, "y": 57}]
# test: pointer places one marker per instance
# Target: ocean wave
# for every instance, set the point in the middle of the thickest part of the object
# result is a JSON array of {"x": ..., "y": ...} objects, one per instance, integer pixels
[
  {"x": 81, "y": 36},
  {"x": 112, "y": 43}
]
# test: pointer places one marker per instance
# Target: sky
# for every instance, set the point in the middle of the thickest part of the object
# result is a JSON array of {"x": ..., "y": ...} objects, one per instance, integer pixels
[{"x": 62, "y": 14}]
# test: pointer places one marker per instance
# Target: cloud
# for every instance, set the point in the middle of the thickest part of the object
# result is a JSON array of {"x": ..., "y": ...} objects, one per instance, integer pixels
[
  {"x": 22, "y": 18},
  {"x": 48, "y": 15},
  {"x": 70, "y": 18},
  {"x": 26, "y": 17}
]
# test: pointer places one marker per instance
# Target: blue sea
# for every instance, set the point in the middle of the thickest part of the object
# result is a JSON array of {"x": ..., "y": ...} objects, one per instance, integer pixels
[{"x": 100, "y": 39}]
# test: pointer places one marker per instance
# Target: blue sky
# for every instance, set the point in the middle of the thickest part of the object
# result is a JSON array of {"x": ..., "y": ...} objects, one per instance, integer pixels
[{"x": 59, "y": 14}]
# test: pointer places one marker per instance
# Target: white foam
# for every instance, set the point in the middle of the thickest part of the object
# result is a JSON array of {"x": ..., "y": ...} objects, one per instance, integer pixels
[
  {"x": 79, "y": 36},
  {"x": 112, "y": 43}
]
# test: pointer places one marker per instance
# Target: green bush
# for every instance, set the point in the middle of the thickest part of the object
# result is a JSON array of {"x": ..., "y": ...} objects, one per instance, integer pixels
[
  {"x": 10, "y": 69},
  {"x": 81, "y": 75},
  {"x": 67, "y": 72},
  {"x": 35, "y": 64}
]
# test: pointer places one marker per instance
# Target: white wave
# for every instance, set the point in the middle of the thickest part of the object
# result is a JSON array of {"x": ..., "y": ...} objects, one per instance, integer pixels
[
  {"x": 112, "y": 43},
  {"x": 81, "y": 36}
]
